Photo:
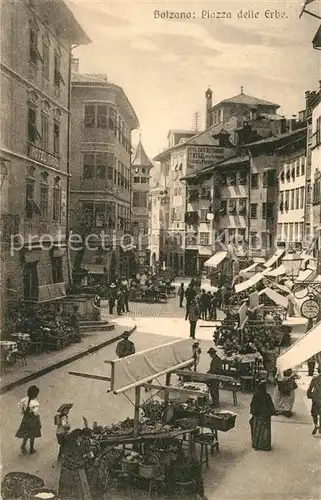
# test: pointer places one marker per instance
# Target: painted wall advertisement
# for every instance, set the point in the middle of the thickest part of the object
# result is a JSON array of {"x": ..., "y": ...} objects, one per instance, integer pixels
[{"x": 201, "y": 156}]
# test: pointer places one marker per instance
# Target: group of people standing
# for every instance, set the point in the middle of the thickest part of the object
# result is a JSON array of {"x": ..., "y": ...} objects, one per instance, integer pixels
[
  {"x": 118, "y": 295},
  {"x": 200, "y": 304}
]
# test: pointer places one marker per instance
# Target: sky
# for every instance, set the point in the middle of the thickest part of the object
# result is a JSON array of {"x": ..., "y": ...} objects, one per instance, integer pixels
[{"x": 166, "y": 65}]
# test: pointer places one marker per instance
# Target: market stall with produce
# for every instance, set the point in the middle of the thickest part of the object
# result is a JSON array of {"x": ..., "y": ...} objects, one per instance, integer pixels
[
  {"x": 153, "y": 289},
  {"x": 156, "y": 448}
]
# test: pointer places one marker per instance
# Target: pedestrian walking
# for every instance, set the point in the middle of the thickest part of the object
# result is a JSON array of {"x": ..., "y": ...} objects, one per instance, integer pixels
[
  {"x": 126, "y": 299},
  {"x": 120, "y": 302},
  {"x": 63, "y": 427},
  {"x": 314, "y": 393},
  {"x": 193, "y": 316},
  {"x": 204, "y": 302},
  {"x": 213, "y": 306},
  {"x": 181, "y": 294},
  {"x": 30, "y": 427},
  {"x": 261, "y": 409},
  {"x": 190, "y": 294},
  {"x": 284, "y": 396},
  {"x": 215, "y": 369},
  {"x": 112, "y": 298},
  {"x": 125, "y": 347}
]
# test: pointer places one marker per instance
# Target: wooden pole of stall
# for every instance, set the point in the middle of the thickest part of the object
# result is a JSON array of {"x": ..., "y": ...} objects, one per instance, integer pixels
[
  {"x": 137, "y": 410},
  {"x": 166, "y": 397}
]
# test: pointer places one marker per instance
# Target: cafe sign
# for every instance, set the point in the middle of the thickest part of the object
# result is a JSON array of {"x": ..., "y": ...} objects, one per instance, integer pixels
[
  {"x": 43, "y": 156},
  {"x": 310, "y": 309},
  {"x": 201, "y": 156}
]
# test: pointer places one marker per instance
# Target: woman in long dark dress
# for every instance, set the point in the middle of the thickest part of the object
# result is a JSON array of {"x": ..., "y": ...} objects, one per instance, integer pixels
[
  {"x": 30, "y": 427},
  {"x": 261, "y": 409},
  {"x": 73, "y": 482}
]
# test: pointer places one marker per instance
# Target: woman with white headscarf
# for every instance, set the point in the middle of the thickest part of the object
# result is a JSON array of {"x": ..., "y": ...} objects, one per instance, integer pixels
[{"x": 284, "y": 396}]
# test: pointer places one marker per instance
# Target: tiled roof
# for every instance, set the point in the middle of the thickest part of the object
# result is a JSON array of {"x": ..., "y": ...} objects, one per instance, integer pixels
[
  {"x": 274, "y": 138},
  {"x": 140, "y": 157},
  {"x": 199, "y": 139},
  {"x": 247, "y": 99}
]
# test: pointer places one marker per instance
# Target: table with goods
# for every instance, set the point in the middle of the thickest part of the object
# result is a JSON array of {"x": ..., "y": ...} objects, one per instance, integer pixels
[{"x": 163, "y": 455}]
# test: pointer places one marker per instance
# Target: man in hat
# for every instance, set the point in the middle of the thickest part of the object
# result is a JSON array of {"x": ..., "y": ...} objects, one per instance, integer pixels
[
  {"x": 125, "y": 347},
  {"x": 215, "y": 369},
  {"x": 63, "y": 427}
]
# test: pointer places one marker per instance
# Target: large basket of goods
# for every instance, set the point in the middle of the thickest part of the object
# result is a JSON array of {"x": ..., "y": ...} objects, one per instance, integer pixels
[
  {"x": 149, "y": 467},
  {"x": 19, "y": 485},
  {"x": 221, "y": 421},
  {"x": 130, "y": 463}
]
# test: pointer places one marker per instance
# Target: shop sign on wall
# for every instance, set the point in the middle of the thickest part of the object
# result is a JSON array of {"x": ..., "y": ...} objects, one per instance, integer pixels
[
  {"x": 200, "y": 156},
  {"x": 310, "y": 309}
]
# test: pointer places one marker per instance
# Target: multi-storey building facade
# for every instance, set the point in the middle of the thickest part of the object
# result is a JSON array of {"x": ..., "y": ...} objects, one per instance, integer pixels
[
  {"x": 173, "y": 199},
  {"x": 140, "y": 170},
  {"x": 100, "y": 195},
  {"x": 315, "y": 104},
  {"x": 292, "y": 192},
  {"x": 36, "y": 42}
]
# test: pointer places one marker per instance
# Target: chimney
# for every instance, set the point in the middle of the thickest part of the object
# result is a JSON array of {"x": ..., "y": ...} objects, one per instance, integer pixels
[
  {"x": 208, "y": 95},
  {"x": 75, "y": 65}
]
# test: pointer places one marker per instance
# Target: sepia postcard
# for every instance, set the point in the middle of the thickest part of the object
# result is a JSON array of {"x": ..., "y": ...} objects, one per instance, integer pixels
[{"x": 160, "y": 249}]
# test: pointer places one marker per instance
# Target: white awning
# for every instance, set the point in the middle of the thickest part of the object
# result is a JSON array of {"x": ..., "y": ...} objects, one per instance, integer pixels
[
  {"x": 250, "y": 269},
  {"x": 216, "y": 259},
  {"x": 275, "y": 297},
  {"x": 274, "y": 257},
  {"x": 304, "y": 275},
  {"x": 302, "y": 350},
  {"x": 279, "y": 271},
  {"x": 240, "y": 287}
]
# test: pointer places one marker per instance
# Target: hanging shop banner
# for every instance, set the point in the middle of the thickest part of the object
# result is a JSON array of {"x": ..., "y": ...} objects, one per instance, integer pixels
[
  {"x": 148, "y": 363},
  {"x": 242, "y": 312},
  {"x": 201, "y": 156},
  {"x": 254, "y": 300},
  {"x": 310, "y": 309}
]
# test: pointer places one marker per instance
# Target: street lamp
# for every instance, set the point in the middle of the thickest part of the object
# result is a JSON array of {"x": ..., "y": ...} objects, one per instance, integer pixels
[{"x": 292, "y": 264}]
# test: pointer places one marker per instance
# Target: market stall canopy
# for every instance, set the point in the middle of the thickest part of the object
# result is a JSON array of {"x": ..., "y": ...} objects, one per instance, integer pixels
[
  {"x": 216, "y": 259},
  {"x": 249, "y": 270},
  {"x": 279, "y": 271},
  {"x": 143, "y": 366},
  {"x": 302, "y": 350},
  {"x": 241, "y": 287},
  {"x": 275, "y": 297},
  {"x": 304, "y": 275},
  {"x": 274, "y": 257}
]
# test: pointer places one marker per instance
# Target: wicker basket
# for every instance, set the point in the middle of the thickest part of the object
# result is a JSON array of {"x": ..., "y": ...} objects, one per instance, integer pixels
[
  {"x": 218, "y": 423},
  {"x": 129, "y": 466},
  {"x": 148, "y": 471}
]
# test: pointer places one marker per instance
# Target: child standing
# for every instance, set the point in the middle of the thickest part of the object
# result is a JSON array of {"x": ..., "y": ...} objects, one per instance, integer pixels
[
  {"x": 30, "y": 427},
  {"x": 196, "y": 354},
  {"x": 63, "y": 427}
]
